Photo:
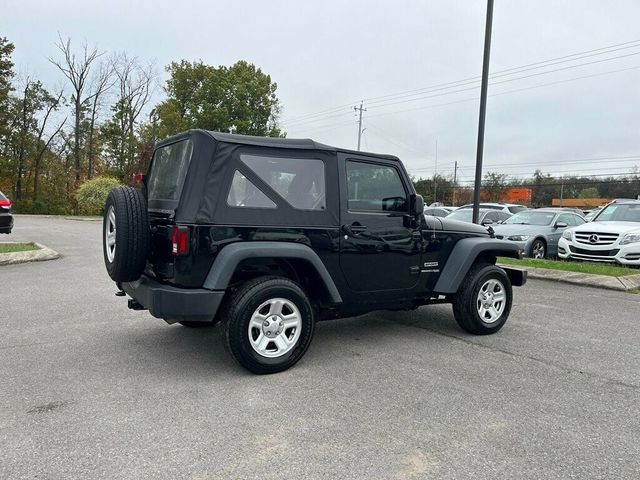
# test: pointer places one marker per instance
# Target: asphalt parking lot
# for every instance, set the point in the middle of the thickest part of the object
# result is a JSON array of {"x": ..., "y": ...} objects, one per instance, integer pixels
[{"x": 90, "y": 389}]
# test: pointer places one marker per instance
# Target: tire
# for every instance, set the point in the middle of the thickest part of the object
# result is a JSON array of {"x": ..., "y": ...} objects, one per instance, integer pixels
[
  {"x": 468, "y": 300},
  {"x": 125, "y": 253},
  {"x": 249, "y": 315},
  {"x": 538, "y": 249}
]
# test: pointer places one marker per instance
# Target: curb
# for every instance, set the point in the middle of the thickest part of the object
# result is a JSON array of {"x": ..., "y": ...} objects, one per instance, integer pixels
[
  {"x": 623, "y": 284},
  {"x": 43, "y": 254}
]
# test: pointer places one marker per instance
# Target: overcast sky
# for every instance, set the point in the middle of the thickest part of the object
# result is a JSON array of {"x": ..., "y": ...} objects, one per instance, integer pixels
[{"x": 330, "y": 54}]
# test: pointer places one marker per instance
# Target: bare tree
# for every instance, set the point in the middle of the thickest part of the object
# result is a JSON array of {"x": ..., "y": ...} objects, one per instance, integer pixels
[
  {"x": 135, "y": 83},
  {"x": 42, "y": 145},
  {"x": 77, "y": 68},
  {"x": 101, "y": 83}
]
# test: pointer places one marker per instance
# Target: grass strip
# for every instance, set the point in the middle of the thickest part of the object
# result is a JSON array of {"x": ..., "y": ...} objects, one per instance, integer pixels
[
  {"x": 571, "y": 266},
  {"x": 17, "y": 247}
]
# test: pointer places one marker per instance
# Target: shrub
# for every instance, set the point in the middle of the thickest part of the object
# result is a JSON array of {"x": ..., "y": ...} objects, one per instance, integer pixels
[{"x": 93, "y": 193}]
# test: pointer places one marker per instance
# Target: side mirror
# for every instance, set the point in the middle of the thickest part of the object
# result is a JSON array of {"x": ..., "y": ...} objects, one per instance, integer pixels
[
  {"x": 560, "y": 225},
  {"x": 416, "y": 204}
]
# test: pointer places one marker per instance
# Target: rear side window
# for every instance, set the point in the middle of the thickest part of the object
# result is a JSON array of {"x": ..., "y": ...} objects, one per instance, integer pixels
[
  {"x": 168, "y": 171},
  {"x": 375, "y": 187},
  {"x": 300, "y": 181}
]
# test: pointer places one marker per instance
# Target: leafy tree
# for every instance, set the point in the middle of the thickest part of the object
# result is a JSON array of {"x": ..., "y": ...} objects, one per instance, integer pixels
[
  {"x": 6, "y": 75},
  {"x": 494, "y": 186},
  {"x": 240, "y": 98},
  {"x": 590, "y": 192}
]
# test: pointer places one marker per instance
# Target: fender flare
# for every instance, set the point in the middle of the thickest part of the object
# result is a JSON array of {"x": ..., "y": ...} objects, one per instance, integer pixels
[
  {"x": 464, "y": 255},
  {"x": 230, "y": 256}
]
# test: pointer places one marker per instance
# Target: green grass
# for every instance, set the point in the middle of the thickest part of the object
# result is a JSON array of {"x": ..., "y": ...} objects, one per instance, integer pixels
[
  {"x": 17, "y": 247},
  {"x": 568, "y": 266}
]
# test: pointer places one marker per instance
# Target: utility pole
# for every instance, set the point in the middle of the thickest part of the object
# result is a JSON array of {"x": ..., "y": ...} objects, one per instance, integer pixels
[
  {"x": 360, "y": 122},
  {"x": 435, "y": 177},
  {"x": 483, "y": 110},
  {"x": 455, "y": 179}
]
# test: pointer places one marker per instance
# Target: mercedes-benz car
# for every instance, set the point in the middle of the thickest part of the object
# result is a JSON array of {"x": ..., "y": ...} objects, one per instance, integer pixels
[
  {"x": 612, "y": 236},
  {"x": 537, "y": 231}
]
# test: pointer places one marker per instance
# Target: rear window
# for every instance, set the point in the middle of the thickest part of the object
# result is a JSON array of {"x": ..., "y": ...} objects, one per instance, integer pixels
[{"x": 168, "y": 171}]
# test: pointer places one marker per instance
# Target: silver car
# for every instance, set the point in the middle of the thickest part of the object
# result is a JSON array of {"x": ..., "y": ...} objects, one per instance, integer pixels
[{"x": 537, "y": 231}]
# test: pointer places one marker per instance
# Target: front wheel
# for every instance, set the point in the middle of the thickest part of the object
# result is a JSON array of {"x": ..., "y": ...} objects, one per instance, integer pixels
[
  {"x": 268, "y": 324},
  {"x": 483, "y": 302}
]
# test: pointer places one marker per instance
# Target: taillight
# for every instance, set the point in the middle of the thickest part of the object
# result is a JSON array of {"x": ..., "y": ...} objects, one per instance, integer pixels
[
  {"x": 5, "y": 203},
  {"x": 179, "y": 240}
]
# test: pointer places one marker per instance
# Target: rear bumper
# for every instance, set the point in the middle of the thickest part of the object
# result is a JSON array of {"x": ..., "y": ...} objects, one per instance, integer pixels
[{"x": 174, "y": 304}]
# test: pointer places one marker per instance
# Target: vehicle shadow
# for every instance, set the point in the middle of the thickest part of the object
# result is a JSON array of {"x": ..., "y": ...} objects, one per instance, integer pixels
[{"x": 173, "y": 350}]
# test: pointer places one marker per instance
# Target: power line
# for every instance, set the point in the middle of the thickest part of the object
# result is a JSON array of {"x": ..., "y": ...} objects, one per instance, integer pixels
[
  {"x": 626, "y": 158},
  {"x": 457, "y": 83}
]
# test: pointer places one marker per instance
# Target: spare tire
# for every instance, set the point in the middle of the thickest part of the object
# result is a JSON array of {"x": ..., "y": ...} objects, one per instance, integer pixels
[{"x": 125, "y": 234}]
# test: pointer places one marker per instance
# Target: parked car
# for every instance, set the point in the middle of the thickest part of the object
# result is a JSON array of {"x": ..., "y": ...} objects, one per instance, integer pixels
[
  {"x": 485, "y": 216},
  {"x": 612, "y": 236},
  {"x": 6, "y": 219},
  {"x": 504, "y": 207},
  {"x": 270, "y": 235},
  {"x": 538, "y": 231},
  {"x": 438, "y": 211}
]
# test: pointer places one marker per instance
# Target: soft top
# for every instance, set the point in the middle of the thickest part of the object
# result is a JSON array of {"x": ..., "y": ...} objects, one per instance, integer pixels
[{"x": 273, "y": 142}]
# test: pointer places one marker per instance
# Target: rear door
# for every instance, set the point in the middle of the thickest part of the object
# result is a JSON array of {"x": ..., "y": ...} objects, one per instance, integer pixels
[{"x": 379, "y": 249}]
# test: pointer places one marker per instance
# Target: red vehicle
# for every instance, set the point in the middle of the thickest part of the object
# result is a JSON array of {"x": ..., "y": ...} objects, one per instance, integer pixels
[{"x": 6, "y": 219}]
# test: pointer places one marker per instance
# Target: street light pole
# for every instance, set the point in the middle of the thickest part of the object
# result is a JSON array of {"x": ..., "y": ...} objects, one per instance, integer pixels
[{"x": 483, "y": 111}]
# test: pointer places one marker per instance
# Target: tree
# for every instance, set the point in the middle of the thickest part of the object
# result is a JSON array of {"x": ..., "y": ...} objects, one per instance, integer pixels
[
  {"x": 6, "y": 75},
  {"x": 77, "y": 69},
  {"x": 240, "y": 98},
  {"x": 29, "y": 139},
  {"x": 135, "y": 83},
  {"x": 494, "y": 186},
  {"x": 100, "y": 84}
]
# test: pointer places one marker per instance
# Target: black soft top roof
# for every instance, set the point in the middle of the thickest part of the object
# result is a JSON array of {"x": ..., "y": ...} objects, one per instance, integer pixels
[{"x": 293, "y": 143}]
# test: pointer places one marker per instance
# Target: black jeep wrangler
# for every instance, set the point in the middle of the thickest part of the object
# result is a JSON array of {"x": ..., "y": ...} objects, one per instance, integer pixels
[{"x": 270, "y": 235}]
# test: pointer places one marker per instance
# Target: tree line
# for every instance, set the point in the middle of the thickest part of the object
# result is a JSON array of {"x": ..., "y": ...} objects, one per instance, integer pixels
[
  {"x": 103, "y": 120},
  {"x": 544, "y": 187}
]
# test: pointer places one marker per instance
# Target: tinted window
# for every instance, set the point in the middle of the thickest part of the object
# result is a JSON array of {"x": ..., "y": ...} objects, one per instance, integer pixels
[
  {"x": 168, "y": 171},
  {"x": 375, "y": 187},
  {"x": 243, "y": 193},
  {"x": 300, "y": 181},
  {"x": 516, "y": 209}
]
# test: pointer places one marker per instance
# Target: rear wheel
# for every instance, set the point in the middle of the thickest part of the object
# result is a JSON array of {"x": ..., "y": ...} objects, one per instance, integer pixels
[
  {"x": 268, "y": 324},
  {"x": 483, "y": 302}
]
